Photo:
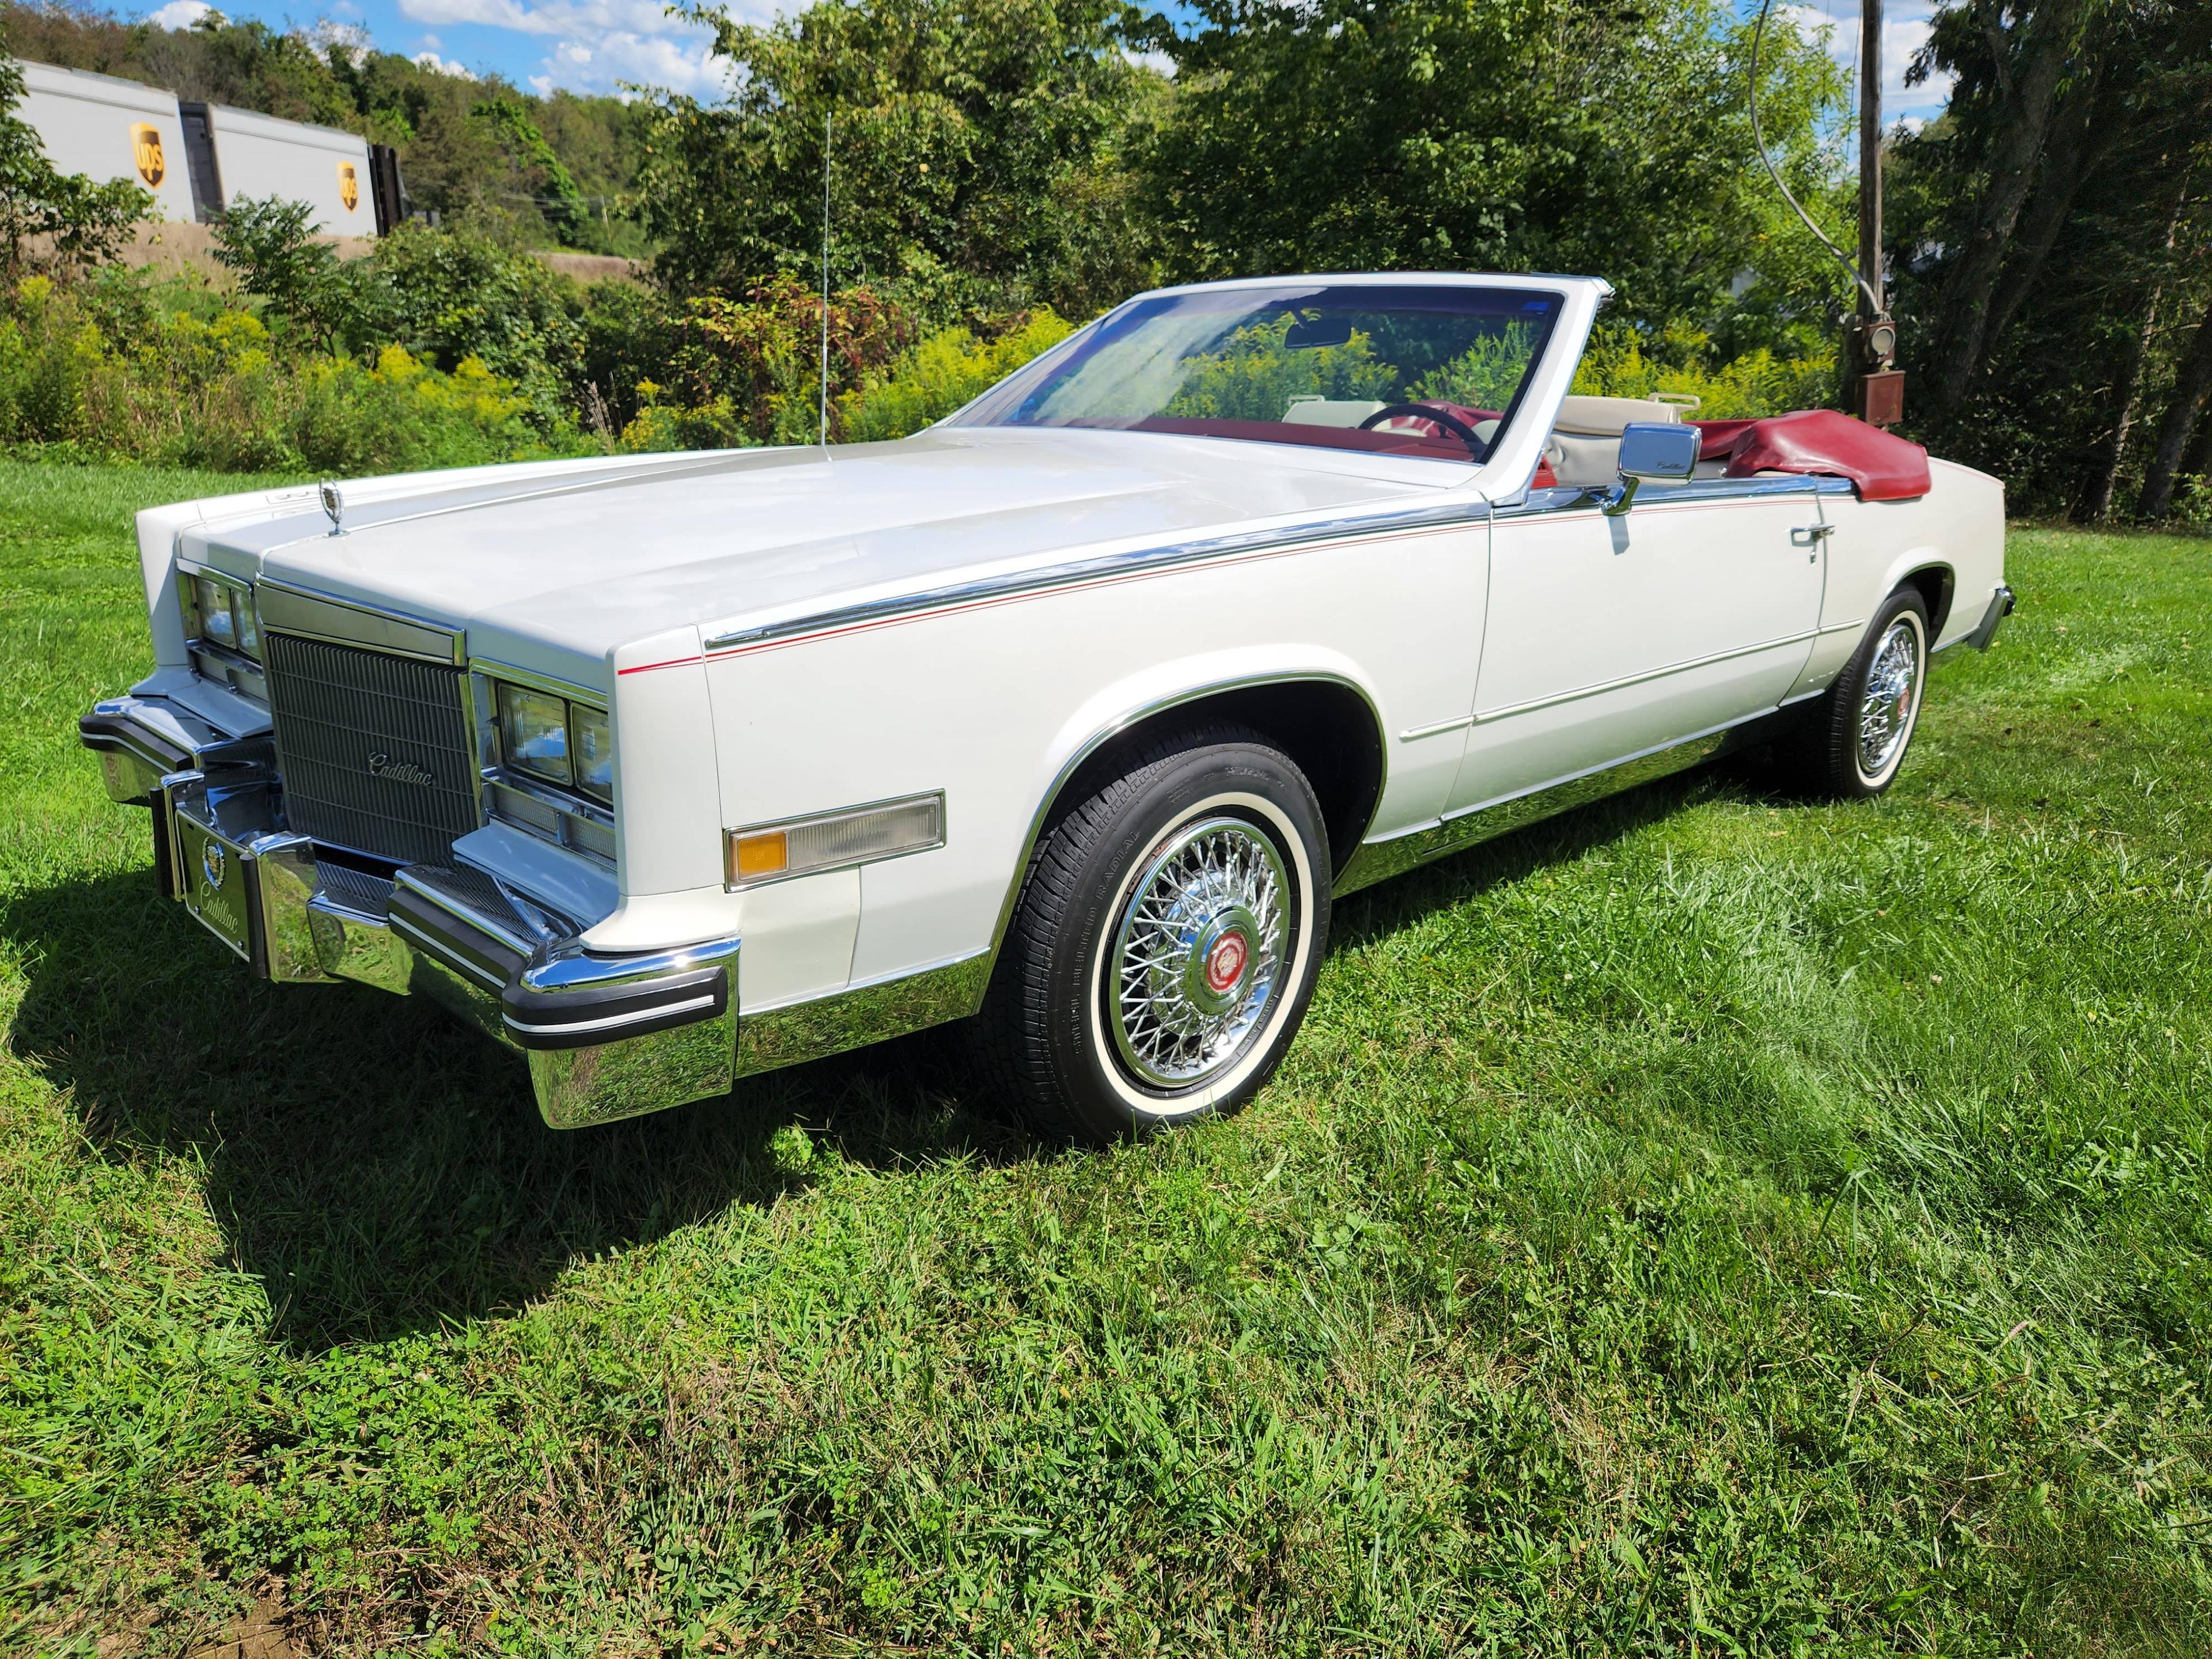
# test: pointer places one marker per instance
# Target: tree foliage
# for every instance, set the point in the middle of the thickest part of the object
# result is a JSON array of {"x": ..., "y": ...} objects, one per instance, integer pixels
[
  {"x": 49, "y": 217},
  {"x": 1508, "y": 134},
  {"x": 2051, "y": 235},
  {"x": 972, "y": 152}
]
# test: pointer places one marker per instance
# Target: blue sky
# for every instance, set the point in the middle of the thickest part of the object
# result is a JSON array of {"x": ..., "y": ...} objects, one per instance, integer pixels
[{"x": 598, "y": 46}]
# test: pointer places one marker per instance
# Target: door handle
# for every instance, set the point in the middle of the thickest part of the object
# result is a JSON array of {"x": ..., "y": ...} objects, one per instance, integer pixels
[{"x": 1811, "y": 536}]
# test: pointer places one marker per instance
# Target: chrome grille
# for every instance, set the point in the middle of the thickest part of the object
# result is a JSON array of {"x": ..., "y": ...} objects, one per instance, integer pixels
[{"x": 374, "y": 749}]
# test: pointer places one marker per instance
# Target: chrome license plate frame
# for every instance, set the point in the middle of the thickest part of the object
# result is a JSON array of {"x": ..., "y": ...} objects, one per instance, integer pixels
[{"x": 219, "y": 879}]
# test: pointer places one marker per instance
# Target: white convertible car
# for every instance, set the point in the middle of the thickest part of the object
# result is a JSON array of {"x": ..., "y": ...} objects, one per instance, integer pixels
[{"x": 1069, "y": 715}]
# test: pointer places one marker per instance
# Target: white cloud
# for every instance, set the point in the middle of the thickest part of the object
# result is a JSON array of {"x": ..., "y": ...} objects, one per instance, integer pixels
[
  {"x": 431, "y": 61},
  {"x": 1835, "y": 24},
  {"x": 179, "y": 14},
  {"x": 598, "y": 45}
]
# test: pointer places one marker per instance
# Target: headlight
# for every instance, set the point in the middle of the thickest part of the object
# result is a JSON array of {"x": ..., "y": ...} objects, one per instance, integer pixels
[
  {"x": 219, "y": 611},
  {"x": 592, "y": 746},
  {"x": 562, "y": 741},
  {"x": 533, "y": 733}
]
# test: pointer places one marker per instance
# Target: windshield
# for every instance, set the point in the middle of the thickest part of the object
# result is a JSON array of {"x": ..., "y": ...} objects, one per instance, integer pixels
[{"x": 1432, "y": 371}]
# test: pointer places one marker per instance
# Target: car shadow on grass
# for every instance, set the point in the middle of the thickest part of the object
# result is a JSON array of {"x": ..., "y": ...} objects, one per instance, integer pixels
[{"x": 382, "y": 1169}]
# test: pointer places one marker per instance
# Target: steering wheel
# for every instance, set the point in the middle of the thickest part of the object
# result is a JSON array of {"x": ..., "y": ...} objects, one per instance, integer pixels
[{"x": 1443, "y": 418}]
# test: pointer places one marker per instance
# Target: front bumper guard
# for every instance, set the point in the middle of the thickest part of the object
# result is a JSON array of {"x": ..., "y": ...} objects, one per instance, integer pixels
[{"x": 606, "y": 1037}]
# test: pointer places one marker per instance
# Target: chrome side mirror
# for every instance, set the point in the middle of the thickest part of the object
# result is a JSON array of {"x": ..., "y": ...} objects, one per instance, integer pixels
[{"x": 1653, "y": 449}]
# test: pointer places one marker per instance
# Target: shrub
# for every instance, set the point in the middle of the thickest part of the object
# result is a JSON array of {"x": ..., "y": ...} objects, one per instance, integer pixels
[
  {"x": 628, "y": 338},
  {"x": 402, "y": 415},
  {"x": 752, "y": 369},
  {"x": 49, "y": 351},
  {"x": 941, "y": 373},
  {"x": 211, "y": 388},
  {"x": 1757, "y": 383},
  {"x": 272, "y": 246}
]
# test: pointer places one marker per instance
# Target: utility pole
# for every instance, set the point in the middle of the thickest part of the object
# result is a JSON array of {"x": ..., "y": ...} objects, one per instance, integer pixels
[{"x": 1876, "y": 387}]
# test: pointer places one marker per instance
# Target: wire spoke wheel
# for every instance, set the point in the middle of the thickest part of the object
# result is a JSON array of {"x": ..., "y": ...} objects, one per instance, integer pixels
[
  {"x": 1196, "y": 964},
  {"x": 1889, "y": 699}
]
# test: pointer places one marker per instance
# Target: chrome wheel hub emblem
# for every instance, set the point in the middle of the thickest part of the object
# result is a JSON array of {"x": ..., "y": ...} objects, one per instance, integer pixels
[
  {"x": 214, "y": 863},
  {"x": 1886, "y": 707},
  {"x": 1196, "y": 965}
]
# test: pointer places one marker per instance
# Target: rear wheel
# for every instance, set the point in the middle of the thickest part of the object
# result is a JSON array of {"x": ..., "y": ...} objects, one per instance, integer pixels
[
  {"x": 1855, "y": 737},
  {"x": 1166, "y": 942}
]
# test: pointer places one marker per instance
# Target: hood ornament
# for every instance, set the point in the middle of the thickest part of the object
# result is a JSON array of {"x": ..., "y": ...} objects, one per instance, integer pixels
[{"x": 333, "y": 506}]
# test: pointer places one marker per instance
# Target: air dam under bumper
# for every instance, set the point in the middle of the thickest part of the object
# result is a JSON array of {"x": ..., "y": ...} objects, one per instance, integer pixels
[{"x": 606, "y": 1036}]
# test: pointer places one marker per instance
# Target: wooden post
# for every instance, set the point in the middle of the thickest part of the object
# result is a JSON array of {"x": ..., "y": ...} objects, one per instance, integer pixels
[
  {"x": 1877, "y": 388},
  {"x": 1870, "y": 159}
]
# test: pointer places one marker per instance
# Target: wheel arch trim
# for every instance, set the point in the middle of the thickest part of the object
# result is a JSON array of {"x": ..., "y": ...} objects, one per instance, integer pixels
[
  {"x": 1919, "y": 561},
  {"x": 1340, "y": 673}
]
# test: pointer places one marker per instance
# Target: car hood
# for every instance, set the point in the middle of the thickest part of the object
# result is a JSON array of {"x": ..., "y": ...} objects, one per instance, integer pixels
[{"x": 554, "y": 567}]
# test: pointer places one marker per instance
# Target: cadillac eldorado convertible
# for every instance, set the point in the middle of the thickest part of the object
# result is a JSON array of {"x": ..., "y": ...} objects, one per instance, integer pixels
[{"x": 1068, "y": 715}]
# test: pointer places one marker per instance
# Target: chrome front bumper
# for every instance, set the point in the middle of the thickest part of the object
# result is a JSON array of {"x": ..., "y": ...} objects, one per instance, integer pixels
[{"x": 606, "y": 1037}]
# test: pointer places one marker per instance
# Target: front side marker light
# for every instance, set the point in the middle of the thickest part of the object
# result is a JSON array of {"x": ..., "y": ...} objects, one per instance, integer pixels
[{"x": 832, "y": 841}]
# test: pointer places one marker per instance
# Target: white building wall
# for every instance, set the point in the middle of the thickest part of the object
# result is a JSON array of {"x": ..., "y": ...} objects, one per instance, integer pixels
[
  {"x": 92, "y": 124},
  {"x": 259, "y": 155}
]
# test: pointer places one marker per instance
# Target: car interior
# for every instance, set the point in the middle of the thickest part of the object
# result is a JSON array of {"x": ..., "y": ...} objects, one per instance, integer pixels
[{"x": 1584, "y": 451}]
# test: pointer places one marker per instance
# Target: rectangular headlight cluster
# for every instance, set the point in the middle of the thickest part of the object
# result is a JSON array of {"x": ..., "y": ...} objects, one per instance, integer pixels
[
  {"x": 832, "y": 841},
  {"x": 548, "y": 738},
  {"x": 219, "y": 611}
]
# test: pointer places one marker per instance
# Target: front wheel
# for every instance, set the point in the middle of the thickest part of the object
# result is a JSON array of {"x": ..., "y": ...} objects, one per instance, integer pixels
[
  {"x": 1166, "y": 942},
  {"x": 1856, "y": 736}
]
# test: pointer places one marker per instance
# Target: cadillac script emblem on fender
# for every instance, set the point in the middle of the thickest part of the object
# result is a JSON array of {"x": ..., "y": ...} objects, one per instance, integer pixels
[
  {"x": 398, "y": 771},
  {"x": 215, "y": 864}
]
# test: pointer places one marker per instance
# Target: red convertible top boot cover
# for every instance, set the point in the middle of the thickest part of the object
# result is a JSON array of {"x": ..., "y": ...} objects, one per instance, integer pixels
[{"x": 1819, "y": 440}]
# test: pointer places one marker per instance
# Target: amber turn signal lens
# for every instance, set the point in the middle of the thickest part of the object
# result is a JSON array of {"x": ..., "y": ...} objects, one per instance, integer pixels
[
  {"x": 834, "y": 841},
  {"x": 762, "y": 854}
]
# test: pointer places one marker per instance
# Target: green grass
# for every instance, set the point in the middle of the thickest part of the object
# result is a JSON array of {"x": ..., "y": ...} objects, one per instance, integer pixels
[{"x": 1701, "y": 1224}]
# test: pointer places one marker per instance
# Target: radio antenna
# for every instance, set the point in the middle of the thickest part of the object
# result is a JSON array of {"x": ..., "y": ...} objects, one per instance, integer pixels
[
  {"x": 1758, "y": 141},
  {"x": 825, "y": 281}
]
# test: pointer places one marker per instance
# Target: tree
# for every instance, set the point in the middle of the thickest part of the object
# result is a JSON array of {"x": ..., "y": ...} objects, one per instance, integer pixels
[
  {"x": 1551, "y": 135},
  {"x": 2051, "y": 234},
  {"x": 64, "y": 217},
  {"x": 973, "y": 148}
]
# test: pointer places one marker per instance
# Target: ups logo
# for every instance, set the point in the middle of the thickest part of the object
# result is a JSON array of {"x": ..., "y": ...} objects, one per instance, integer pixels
[
  {"x": 146, "y": 151},
  {"x": 349, "y": 186}
]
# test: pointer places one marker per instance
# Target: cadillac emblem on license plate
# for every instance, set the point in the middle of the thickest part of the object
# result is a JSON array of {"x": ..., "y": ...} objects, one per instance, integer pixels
[{"x": 216, "y": 883}]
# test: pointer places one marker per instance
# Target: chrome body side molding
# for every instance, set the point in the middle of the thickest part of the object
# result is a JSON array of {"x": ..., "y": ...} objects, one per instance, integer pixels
[
  {"x": 1696, "y": 492},
  {"x": 1379, "y": 861},
  {"x": 1079, "y": 572},
  {"x": 860, "y": 1014}
]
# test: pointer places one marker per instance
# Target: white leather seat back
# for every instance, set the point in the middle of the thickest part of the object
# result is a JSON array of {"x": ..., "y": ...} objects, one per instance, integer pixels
[{"x": 1585, "y": 448}]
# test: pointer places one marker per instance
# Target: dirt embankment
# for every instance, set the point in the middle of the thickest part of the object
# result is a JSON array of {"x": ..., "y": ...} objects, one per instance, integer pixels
[{"x": 186, "y": 246}]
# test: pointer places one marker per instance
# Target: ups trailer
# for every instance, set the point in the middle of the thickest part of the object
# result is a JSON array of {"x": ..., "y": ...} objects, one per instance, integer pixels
[{"x": 197, "y": 159}]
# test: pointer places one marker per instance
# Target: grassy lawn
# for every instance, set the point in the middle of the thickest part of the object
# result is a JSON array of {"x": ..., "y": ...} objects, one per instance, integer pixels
[{"x": 1700, "y": 1223}]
